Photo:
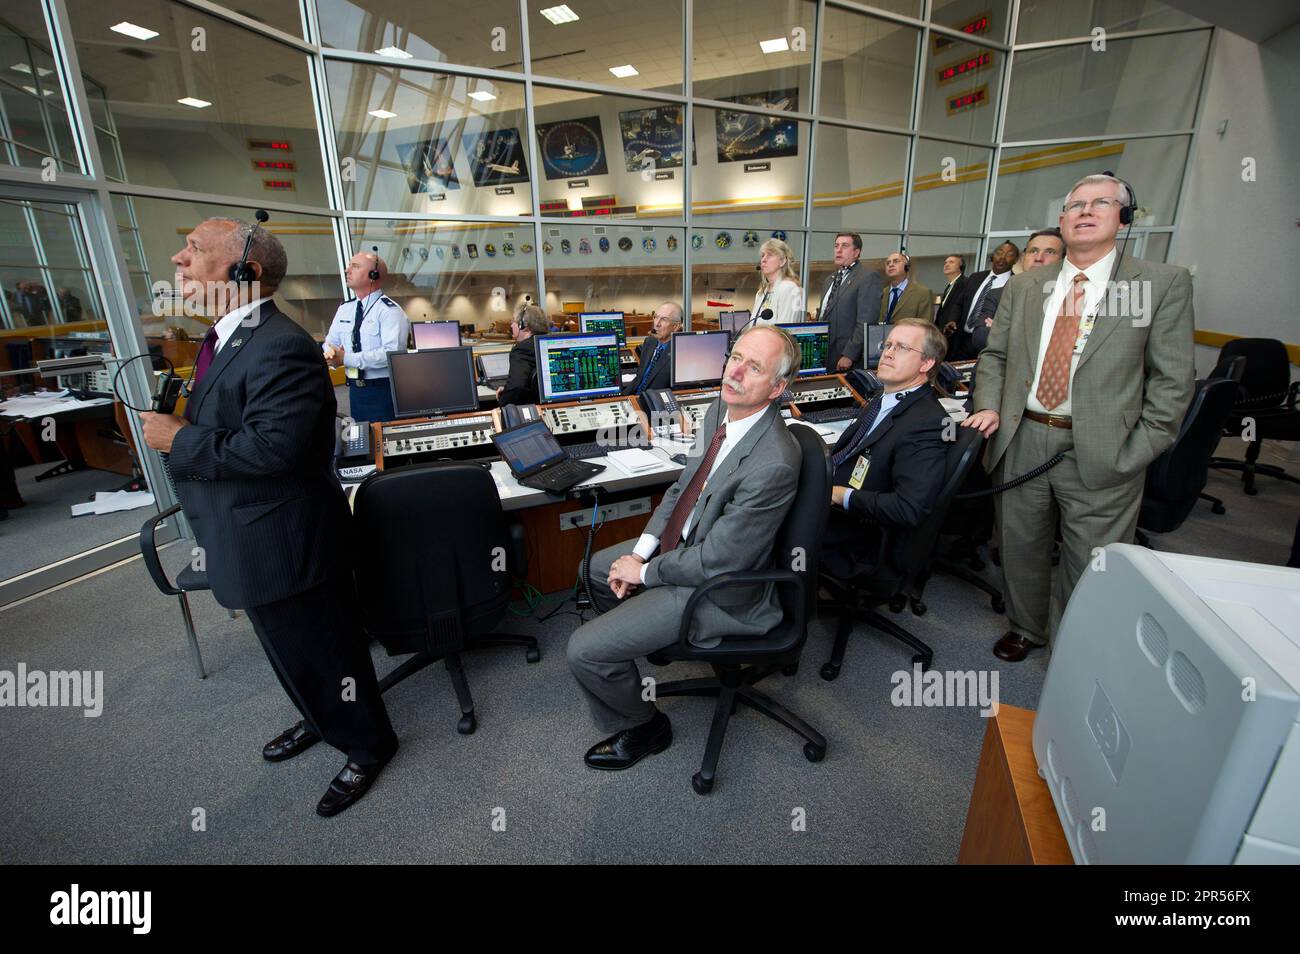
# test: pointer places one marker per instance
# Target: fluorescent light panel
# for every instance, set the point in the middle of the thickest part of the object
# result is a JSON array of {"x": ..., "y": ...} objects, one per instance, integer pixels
[
  {"x": 482, "y": 96},
  {"x": 560, "y": 14},
  {"x": 196, "y": 103},
  {"x": 382, "y": 114},
  {"x": 623, "y": 72},
  {"x": 127, "y": 28},
  {"x": 395, "y": 52},
  {"x": 778, "y": 45}
]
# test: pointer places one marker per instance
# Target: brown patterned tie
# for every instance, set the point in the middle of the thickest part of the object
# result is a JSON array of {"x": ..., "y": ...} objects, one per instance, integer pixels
[
  {"x": 686, "y": 502},
  {"x": 1054, "y": 382}
]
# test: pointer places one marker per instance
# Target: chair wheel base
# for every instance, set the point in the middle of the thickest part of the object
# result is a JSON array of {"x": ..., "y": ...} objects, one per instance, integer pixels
[
  {"x": 830, "y": 671},
  {"x": 467, "y": 724},
  {"x": 814, "y": 753},
  {"x": 701, "y": 784},
  {"x": 533, "y": 655},
  {"x": 897, "y": 603},
  {"x": 999, "y": 604},
  {"x": 924, "y": 659},
  {"x": 1252, "y": 491},
  {"x": 918, "y": 608},
  {"x": 1218, "y": 508}
]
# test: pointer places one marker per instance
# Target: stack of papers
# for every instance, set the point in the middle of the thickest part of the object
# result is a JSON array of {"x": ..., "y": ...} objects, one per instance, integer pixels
[
  {"x": 41, "y": 403},
  {"x": 112, "y": 502},
  {"x": 635, "y": 461}
]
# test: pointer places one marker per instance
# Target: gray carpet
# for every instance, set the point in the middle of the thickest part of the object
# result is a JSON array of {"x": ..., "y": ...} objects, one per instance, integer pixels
[
  {"x": 122, "y": 788},
  {"x": 43, "y": 531}
]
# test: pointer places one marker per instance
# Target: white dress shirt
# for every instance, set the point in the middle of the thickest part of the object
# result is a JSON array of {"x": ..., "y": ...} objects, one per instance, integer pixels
[
  {"x": 648, "y": 543},
  {"x": 847, "y": 270},
  {"x": 785, "y": 298},
  {"x": 888, "y": 402},
  {"x": 229, "y": 324},
  {"x": 991, "y": 281},
  {"x": 384, "y": 328},
  {"x": 1094, "y": 291}
]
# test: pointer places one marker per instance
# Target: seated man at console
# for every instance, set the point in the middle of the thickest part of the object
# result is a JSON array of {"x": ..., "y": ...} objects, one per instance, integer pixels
[
  {"x": 655, "y": 370},
  {"x": 721, "y": 515},
  {"x": 889, "y": 462},
  {"x": 521, "y": 380}
]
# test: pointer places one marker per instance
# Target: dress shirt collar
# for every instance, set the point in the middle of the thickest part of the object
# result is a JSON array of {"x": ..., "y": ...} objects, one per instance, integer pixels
[
  {"x": 901, "y": 286},
  {"x": 736, "y": 430},
  {"x": 1098, "y": 272},
  {"x": 227, "y": 326}
]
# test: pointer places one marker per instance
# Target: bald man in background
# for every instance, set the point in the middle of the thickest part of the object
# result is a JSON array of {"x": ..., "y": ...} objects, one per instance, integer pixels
[{"x": 362, "y": 334}]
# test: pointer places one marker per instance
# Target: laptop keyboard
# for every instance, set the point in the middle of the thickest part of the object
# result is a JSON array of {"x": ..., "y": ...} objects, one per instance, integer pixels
[
  {"x": 564, "y": 473},
  {"x": 580, "y": 451},
  {"x": 831, "y": 414}
]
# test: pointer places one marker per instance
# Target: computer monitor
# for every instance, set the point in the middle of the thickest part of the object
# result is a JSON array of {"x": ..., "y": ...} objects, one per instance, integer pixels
[
  {"x": 433, "y": 382},
  {"x": 732, "y": 321},
  {"x": 698, "y": 358},
  {"x": 573, "y": 367},
  {"x": 495, "y": 364},
  {"x": 814, "y": 340},
  {"x": 590, "y": 322},
  {"x": 436, "y": 334},
  {"x": 872, "y": 338}
]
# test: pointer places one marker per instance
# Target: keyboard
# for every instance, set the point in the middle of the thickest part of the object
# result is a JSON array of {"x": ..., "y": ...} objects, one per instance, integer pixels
[
  {"x": 581, "y": 451},
  {"x": 831, "y": 414}
]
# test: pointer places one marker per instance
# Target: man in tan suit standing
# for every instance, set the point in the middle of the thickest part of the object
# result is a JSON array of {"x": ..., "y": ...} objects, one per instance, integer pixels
[
  {"x": 1092, "y": 359},
  {"x": 903, "y": 296}
]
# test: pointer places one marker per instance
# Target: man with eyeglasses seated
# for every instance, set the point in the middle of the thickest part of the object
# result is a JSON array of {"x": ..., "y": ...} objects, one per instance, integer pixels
[
  {"x": 889, "y": 463},
  {"x": 1091, "y": 359}
]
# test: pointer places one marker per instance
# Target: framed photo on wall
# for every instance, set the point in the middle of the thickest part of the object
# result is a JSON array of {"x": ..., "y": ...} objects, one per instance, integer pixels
[
  {"x": 496, "y": 157},
  {"x": 652, "y": 138},
  {"x": 572, "y": 148},
  {"x": 429, "y": 166},
  {"x": 746, "y": 136}
]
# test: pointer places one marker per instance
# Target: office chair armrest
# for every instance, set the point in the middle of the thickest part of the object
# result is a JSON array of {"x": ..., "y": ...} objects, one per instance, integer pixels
[
  {"x": 149, "y": 550},
  {"x": 1293, "y": 394},
  {"x": 743, "y": 578}
]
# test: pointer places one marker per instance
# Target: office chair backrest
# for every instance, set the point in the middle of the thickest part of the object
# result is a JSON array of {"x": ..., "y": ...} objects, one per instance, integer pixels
[
  {"x": 1176, "y": 477},
  {"x": 1267, "y": 375},
  {"x": 913, "y": 549},
  {"x": 431, "y": 556},
  {"x": 1232, "y": 367},
  {"x": 799, "y": 541}
]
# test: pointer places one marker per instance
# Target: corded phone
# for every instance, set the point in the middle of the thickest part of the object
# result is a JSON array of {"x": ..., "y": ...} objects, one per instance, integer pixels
[
  {"x": 512, "y": 415},
  {"x": 354, "y": 456}
]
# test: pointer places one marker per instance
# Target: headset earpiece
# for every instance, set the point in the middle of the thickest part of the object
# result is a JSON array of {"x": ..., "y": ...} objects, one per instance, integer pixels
[
  {"x": 242, "y": 273},
  {"x": 1129, "y": 211},
  {"x": 907, "y": 262},
  {"x": 374, "y": 272}
]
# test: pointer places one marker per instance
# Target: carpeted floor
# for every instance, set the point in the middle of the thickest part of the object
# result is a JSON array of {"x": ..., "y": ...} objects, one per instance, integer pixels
[{"x": 125, "y": 787}]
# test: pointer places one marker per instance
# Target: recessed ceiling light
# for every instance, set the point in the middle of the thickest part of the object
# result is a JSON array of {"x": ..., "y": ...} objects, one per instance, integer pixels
[
  {"x": 560, "y": 14},
  {"x": 395, "y": 52},
  {"x": 24, "y": 68},
  {"x": 196, "y": 103},
  {"x": 482, "y": 96},
  {"x": 622, "y": 72},
  {"x": 32, "y": 90},
  {"x": 128, "y": 28},
  {"x": 778, "y": 45},
  {"x": 382, "y": 114}
]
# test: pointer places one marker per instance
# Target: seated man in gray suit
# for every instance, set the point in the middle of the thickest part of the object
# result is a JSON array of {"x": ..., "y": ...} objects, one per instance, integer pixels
[{"x": 721, "y": 515}]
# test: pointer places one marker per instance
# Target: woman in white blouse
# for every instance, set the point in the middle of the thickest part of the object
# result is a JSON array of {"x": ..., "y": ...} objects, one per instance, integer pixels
[{"x": 779, "y": 289}]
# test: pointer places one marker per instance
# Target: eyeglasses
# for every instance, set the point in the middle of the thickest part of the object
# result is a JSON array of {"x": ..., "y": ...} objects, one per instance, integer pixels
[
  {"x": 1097, "y": 205},
  {"x": 895, "y": 346}
]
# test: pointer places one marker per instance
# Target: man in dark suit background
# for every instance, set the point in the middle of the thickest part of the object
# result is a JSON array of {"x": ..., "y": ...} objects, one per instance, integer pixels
[
  {"x": 954, "y": 270},
  {"x": 521, "y": 380},
  {"x": 252, "y": 464},
  {"x": 850, "y": 300},
  {"x": 978, "y": 303},
  {"x": 889, "y": 462},
  {"x": 655, "y": 368}
]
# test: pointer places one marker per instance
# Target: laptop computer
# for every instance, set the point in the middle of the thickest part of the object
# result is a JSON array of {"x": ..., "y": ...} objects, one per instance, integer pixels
[
  {"x": 537, "y": 460},
  {"x": 493, "y": 368}
]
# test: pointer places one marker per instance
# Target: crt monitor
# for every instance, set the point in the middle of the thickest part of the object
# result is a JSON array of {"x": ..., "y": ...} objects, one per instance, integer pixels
[
  {"x": 698, "y": 358},
  {"x": 436, "y": 334},
  {"x": 574, "y": 367},
  {"x": 590, "y": 322},
  {"x": 732, "y": 321},
  {"x": 814, "y": 340},
  {"x": 429, "y": 383}
]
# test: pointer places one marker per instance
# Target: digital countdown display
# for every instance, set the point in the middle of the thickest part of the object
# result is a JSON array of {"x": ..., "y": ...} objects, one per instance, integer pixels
[
  {"x": 952, "y": 71},
  {"x": 282, "y": 165},
  {"x": 976, "y": 27},
  {"x": 975, "y": 98}
]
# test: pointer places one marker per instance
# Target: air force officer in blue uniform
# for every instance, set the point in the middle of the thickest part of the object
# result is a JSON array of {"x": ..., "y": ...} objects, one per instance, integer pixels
[{"x": 362, "y": 334}]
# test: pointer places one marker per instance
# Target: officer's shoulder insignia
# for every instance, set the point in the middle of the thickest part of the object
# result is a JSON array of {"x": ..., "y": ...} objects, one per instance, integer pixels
[{"x": 388, "y": 301}]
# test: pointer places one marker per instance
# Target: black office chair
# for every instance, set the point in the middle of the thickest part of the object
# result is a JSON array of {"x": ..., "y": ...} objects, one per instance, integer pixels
[
  {"x": 903, "y": 564},
  {"x": 188, "y": 580},
  {"x": 1175, "y": 478},
  {"x": 741, "y": 662},
  {"x": 1232, "y": 367},
  {"x": 1269, "y": 399},
  {"x": 439, "y": 562}
]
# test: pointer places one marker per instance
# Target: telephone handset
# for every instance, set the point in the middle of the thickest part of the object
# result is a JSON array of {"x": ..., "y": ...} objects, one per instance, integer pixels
[
  {"x": 661, "y": 401},
  {"x": 512, "y": 415},
  {"x": 352, "y": 445}
]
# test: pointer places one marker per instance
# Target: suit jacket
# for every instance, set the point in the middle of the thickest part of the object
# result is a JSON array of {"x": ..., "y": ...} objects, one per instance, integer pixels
[
  {"x": 254, "y": 470},
  {"x": 736, "y": 519},
  {"x": 1133, "y": 381},
  {"x": 521, "y": 381},
  {"x": 908, "y": 454},
  {"x": 948, "y": 310},
  {"x": 917, "y": 301},
  {"x": 661, "y": 376},
  {"x": 965, "y": 345},
  {"x": 856, "y": 303}
]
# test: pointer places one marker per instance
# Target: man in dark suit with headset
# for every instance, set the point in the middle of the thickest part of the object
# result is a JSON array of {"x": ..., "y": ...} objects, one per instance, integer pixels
[
  {"x": 654, "y": 355},
  {"x": 252, "y": 461},
  {"x": 521, "y": 381}
]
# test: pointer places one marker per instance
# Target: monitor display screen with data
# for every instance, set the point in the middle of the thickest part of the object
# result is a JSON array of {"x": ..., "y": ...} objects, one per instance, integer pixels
[
  {"x": 732, "y": 321},
  {"x": 436, "y": 334},
  {"x": 496, "y": 364},
  {"x": 572, "y": 367},
  {"x": 606, "y": 321},
  {"x": 428, "y": 383},
  {"x": 698, "y": 358},
  {"x": 814, "y": 340}
]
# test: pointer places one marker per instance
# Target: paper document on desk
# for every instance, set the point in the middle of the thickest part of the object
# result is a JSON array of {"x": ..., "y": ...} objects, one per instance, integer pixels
[
  {"x": 633, "y": 460},
  {"x": 112, "y": 502}
]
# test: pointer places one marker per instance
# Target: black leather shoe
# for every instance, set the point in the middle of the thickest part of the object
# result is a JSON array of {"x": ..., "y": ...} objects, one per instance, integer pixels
[
  {"x": 1013, "y": 647},
  {"x": 348, "y": 786},
  {"x": 624, "y": 749},
  {"x": 289, "y": 743}
]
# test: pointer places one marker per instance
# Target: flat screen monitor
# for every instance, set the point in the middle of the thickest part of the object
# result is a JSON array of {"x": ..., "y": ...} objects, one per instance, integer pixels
[
  {"x": 732, "y": 321},
  {"x": 590, "y": 322},
  {"x": 436, "y": 334},
  {"x": 698, "y": 357},
  {"x": 573, "y": 367},
  {"x": 433, "y": 382},
  {"x": 814, "y": 339},
  {"x": 495, "y": 364},
  {"x": 872, "y": 338}
]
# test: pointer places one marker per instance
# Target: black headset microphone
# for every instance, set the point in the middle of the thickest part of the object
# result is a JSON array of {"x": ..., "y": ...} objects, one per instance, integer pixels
[{"x": 1127, "y": 212}]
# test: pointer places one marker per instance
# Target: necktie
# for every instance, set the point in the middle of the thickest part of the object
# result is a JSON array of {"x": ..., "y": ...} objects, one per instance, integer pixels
[
  {"x": 686, "y": 502},
  {"x": 974, "y": 315},
  {"x": 860, "y": 430},
  {"x": 356, "y": 328},
  {"x": 835, "y": 286},
  {"x": 893, "y": 300},
  {"x": 1054, "y": 380},
  {"x": 650, "y": 366},
  {"x": 207, "y": 351},
  {"x": 946, "y": 292}
]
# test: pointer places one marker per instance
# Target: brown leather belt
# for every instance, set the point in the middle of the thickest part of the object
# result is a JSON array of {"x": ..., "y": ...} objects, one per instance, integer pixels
[{"x": 1051, "y": 420}]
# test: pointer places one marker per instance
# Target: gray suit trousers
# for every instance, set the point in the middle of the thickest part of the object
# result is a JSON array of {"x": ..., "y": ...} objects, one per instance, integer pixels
[
  {"x": 601, "y": 653},
  {"x": 1027, "y": 522}
]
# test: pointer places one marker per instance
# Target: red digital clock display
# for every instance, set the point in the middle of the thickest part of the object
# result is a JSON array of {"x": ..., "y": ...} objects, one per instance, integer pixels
[{"x": 949, "y": 73}]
